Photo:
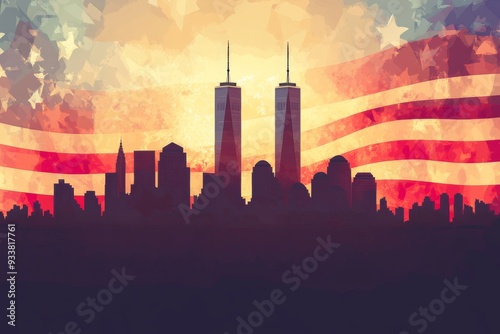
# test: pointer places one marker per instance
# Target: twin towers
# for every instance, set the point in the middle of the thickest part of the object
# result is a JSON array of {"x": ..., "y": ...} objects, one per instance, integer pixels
[{"x": 228, "y": 131}]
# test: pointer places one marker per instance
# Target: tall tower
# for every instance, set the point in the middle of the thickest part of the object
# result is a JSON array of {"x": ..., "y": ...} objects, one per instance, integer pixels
[
  {"x": 121, "y": 170},
  {"x": 287, "y": 131},
  {"x": 174, "y": 175},
  {"x": 228, "y": 134}
]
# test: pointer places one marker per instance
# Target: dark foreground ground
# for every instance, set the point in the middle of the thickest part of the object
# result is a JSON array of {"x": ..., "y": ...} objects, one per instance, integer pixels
[{"x": 201, "y": 279}]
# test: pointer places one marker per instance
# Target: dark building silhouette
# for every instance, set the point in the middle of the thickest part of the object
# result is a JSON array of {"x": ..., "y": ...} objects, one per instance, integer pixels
[
  {"x": 385, "y": 213},
  {"x": 482, "y": 212},
  {"x": 339, "y": 174},
  {"x": 111, "y": 194},
  {"x": 298, "y": 197},
  {"x": 121, "y": 171},
  {"x": 426, "y": 213},
  {"x": 174, "y": 175},
  {"x": 468, "y": 215},
  {"x": 321, "y": 192},
  {"x": 228, "y": 137},
  {"x": 92, "y": 208},
  {"x": 364, "y": 193},
  {"x": 144, "y": 171},
  {"x": 287, "y": 132},
  {"x": 17, "y": 214},
  {"x": 399, "y": 214},
  {"x": 444, "y": 207},
  {"x": 65, "y": 206},
  {"x": 458, "y": 208},
  {"x": 265, "y": 187},
  {"x": 37, "y": 213}
]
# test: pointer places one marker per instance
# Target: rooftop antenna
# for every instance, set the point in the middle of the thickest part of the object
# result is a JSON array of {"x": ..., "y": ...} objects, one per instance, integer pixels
[
  {"x": 287, "y": 63},
  {"x": 227, "y": 61}
]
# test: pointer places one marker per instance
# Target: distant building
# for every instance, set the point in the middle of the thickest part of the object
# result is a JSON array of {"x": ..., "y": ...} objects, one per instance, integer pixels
[
  {"x": 144, "y": 171},
  {"x": 298, "y": 197},
  {"x": 111, "y": 195},
  {"x": 458, "y": 208},
  {"x": 265, "y": 187},
  {"x": 65, "y": 206},
  {"x": 339, "y": 174},
  {"x": 399, "y": 214},
  {"x": 321, "y": 192},
  {"x": 37, "y": 213},
  {"x": 364, "y": 193},
  {"x": 92, "y": 208},
  {"x": 121, "y": 171},
  {"x": 444, "y": 207},
  {"x": 17, "y": 214},
  {"x": 174, "y": 175}
]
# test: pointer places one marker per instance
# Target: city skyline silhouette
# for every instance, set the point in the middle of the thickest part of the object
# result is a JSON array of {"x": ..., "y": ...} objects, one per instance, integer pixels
[{"x": 335, "y": 192}]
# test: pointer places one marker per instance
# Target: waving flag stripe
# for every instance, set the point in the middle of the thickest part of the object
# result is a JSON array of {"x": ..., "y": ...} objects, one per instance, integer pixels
[
  {"x": 450, "y": 56},
  {"x": 448, "y": 151}
]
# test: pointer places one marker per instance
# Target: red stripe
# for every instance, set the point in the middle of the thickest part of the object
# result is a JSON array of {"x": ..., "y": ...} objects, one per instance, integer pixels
[
  {"x": 446, "y": 151},
  {"x": 397, "y": 67},
  {"x": 470, "y": 108}
]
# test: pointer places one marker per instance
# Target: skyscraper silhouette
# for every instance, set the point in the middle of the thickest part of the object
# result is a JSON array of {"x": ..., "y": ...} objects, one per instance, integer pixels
[
  {"x": 364, "y": 193},
  {"x": 92, "y": 208},
  {"x": 321, "y": 191},
  {"x": 287, "y": 131},
  {"x": 144, "y": 171},
  {"x": 339, "y": 174},
  {"x": 444, "y": 207},
  {"x": 174, "y": 175},
  {"x": 65, "y": 206},
  {"x": 121, "y": 170},
  {"x": 111, "y": 195},
  {"x": 228, "y": 135},
  {"x": 298, "y": 197},
  {"x": 458, "y": 207}
]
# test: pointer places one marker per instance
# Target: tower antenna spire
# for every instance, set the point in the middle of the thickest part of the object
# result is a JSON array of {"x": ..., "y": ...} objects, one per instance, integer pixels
[
  {"x": 287, "y": 63},
  {"x": 227, "y": 61}
]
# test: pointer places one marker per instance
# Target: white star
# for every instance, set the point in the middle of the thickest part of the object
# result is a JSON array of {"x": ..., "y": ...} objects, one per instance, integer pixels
[
  {"x": 391, "y": 34},
  {"x": 67, "y": 47},
  {"x": 34, "y": 56},
  {"x": 35, "y": 98}
]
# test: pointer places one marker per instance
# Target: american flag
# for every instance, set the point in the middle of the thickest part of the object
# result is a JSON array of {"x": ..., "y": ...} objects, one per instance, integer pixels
[{"x": 408, "y": 90}]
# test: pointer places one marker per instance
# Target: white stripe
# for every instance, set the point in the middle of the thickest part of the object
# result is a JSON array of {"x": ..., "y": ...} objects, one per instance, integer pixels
[{"x": 196, "y": 139}]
